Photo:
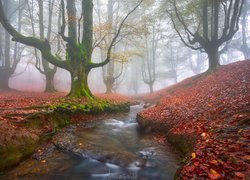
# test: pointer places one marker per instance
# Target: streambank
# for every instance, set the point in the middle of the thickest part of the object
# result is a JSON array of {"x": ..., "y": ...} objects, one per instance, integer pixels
[
  {"x": 26, "y": 129},
  {"x": 208, "y": 121},
  {"x": 112, "y": 148}
]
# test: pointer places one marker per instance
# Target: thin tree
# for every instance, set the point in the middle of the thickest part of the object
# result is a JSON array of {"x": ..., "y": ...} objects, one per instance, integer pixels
[
  {"x": 245, "y": 47},
  {"x": 79, "y": 44},
  {"x": 47, "y": 70},
  {"x": 148, "y": 64},
  {"x": 7, "y": 64}
]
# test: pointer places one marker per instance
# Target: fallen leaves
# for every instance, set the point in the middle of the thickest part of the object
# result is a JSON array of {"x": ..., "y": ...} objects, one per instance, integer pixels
[
  {"x": 214, "y": 162},
  {"x": 240, "y": 175},
  {"x": 160, "y": 139},
  {"x": 213, "y": 174},
  {"x": 193, "y": 155},
  {"x": 16, "y": 106},
  {"x": 43, "y": 161},
  {"x": 215, "y": 108}
]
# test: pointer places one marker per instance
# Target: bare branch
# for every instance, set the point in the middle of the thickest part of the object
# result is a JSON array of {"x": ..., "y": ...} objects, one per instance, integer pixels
[
  {"x": 94, "y": 65},
  {"x": 42, "y": 45}
]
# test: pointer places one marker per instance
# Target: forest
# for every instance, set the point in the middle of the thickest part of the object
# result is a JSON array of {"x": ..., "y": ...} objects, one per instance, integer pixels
[{"x": 134, "y": 89}]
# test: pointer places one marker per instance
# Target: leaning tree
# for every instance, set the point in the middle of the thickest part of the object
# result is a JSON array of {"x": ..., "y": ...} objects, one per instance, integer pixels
[
  {"x": 79, "y": 44},
  {"x": 206, "y": 24}
]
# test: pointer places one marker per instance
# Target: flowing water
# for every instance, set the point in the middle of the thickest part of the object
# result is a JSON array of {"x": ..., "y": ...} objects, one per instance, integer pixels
[{"x": 107, "y": 149}]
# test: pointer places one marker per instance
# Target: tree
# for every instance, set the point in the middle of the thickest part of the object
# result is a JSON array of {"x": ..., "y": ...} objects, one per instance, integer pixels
[
  {"x": 110, "y": 74},
  {"x": 148, "y": 65},
  {"x": 153, "y": 35},
  {"x": 79, "y": 44},
  {"x": 47, "y": 70},
  {"x": 208, "y": 26},
  {"x": 8, "y": 64},
  {"x": 114, "y": 71},
  {"x": 134, "y": 76},
  {"x": 245, "y": 47}
]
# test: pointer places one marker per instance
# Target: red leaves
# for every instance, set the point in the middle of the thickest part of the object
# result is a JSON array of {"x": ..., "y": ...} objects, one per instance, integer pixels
[
  {"x": 16, "y": 103},
  {"x": 160, "y": 139},
  {"x": 22, "y": 99},
  {"x": 116, "y": 98},
  {"x": 215, "y": 108},
  {"x": 214, "y": 162},
  {"x": 214, "y": 174},
  {"x": 240, "y": 175}
]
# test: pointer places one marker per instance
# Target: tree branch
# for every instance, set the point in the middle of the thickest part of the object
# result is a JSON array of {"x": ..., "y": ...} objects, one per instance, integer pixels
[
  {"x": 95, "y": 65},
  {"x": 42, "y": 45},
  {"x": 178, "y": 32}
]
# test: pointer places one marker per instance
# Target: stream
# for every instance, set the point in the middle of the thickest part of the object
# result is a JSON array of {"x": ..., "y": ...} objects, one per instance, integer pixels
[{"x": 113, "y": 148}]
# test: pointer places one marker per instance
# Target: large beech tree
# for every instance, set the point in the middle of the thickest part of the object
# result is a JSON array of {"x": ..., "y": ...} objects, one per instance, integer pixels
[
  {"x": 79, "y": 44},
  {"x": 206, "y": 24}
]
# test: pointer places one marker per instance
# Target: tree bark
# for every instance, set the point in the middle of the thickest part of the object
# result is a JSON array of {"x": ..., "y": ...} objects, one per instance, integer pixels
[
  {"x": 6, "y": 66},
  {"x": 108, "y": 89},
  {"x": 244, "y": 47},
  {"x": 4, "y": 78},
  {"x": 213, "y": 58},
  {"x": 151, "y": 87},
  {"x": 47, "y": 71},
  {"x": 50, "y": 82},
  {"x": 79, "y": 84}
]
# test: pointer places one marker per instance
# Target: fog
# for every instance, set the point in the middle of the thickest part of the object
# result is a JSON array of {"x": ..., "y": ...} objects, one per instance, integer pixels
[{"x": 147, "y": 52}]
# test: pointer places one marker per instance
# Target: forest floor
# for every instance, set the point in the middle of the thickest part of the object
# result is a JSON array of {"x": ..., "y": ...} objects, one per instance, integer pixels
[
  {"x": 27, "y": 120},
  {"x": 16, "y": 106},
  {"x": 207, "y": 117}
]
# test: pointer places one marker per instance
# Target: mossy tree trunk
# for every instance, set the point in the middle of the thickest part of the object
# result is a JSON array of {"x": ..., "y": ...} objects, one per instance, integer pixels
[
  {"x": 78, "y": 51},
  {"x": 79, "y": 84}
]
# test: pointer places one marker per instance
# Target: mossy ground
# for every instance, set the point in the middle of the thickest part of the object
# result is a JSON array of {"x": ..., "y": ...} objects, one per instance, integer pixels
[{"x": 51, "y": 119}]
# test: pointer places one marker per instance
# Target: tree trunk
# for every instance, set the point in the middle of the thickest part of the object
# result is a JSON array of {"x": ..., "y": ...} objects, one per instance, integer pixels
[
  {"x": 109, "y": 69},
  {"x": 47, "y": 70},
  {"x": 246, "y": 52},
  {"x": 78, "y": 54},
  {"x": 151, "y": 87},
  {"x": 108, "y": 89},
  {"x": 213, "y": 58},
  {"x": 50, "y": 82},
  {"x": 4, "y": 78},
  {"x": 79, "y": 85},
  {"x": 244, "y": 48},
  {"x": 109, "y": 84}
]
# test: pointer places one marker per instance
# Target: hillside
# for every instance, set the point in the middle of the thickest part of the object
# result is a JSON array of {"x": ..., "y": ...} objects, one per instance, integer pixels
[{"x": 207, "y": 118}]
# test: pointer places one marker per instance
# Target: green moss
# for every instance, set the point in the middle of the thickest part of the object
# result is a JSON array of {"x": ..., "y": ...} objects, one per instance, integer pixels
[
  {"x": 12, "y": 154},
  {"x": 91, "y": 107},
  {"x": 59, "y": 121}
]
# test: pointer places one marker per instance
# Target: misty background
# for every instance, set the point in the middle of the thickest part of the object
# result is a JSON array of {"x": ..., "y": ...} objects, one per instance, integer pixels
[{"x": 148, "y": 57}]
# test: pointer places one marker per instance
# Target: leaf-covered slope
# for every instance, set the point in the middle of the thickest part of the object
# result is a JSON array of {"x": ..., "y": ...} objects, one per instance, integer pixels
[{"x": 215, "y": 109}]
